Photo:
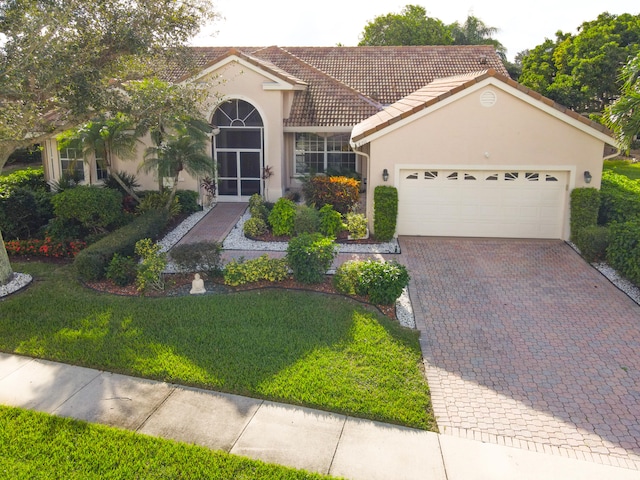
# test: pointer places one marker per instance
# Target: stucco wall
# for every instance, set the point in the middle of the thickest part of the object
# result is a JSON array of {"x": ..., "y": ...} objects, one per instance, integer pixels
[{"x": 511, "y": 134}]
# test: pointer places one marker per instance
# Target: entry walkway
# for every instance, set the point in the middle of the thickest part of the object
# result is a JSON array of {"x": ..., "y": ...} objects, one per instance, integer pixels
[{"x": 293, "y": 436}]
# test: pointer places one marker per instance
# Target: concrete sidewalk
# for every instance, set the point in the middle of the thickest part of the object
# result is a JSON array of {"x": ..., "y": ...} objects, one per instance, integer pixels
[{"x": 293, "y": 436}]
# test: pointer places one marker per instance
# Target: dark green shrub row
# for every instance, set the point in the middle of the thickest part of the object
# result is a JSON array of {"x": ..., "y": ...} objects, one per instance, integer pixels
[
  {"x": 310, "y": 255},
  {"x": 199, "y": 256},
  {"x": 29, "y": 178},
  {"x": 619, "y": 198},
  {"x": 382, "y": 282},
  {"x": 385, "y": 212},
  {"x": 95, "y": 208},
  {"x": 188, "y": 200},
  {"x": 24, "y": 213},
  {"x": 91, "y": 263},
  {"x": 623, "y": 252},
  {"x": 307, "y": 220},
  {"x": 585, "y": 203},
  {"x": 342, "y": 193},
  {"x": 240, "y": 272},
  {"x": 122, "y": 270}
]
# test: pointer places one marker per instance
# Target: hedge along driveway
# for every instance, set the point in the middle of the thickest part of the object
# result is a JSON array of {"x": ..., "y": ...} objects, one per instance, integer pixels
[{"x": 297, "y": 347}]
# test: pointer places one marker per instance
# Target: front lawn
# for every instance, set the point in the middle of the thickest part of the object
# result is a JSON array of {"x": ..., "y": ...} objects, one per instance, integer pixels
[
  {"x": 302, "y": 348},
  {"x": 36, "y": 445}
]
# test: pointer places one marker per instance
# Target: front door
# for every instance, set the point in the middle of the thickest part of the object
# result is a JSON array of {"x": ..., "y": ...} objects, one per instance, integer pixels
[{"x": 238, "y": 150}]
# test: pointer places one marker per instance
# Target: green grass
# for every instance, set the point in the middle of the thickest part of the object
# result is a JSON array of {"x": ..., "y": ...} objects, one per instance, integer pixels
[
  {"x": 40, "y": 446},
  {"x": 623, "y": 167},
  {"x": 301, "y": 348}
]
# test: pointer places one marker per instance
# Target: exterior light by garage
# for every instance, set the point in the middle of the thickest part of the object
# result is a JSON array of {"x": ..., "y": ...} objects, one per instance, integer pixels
[
  {"x": 385, "y": 174},
  {"x": 587, "y": 176}
]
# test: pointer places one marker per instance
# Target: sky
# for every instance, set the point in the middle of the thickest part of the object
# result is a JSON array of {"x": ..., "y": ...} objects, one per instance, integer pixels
[{"x": 522, "y": 25}]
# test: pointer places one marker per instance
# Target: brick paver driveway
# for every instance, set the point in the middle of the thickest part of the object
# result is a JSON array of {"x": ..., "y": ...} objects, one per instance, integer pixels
[{"x": 526, "y": 344}]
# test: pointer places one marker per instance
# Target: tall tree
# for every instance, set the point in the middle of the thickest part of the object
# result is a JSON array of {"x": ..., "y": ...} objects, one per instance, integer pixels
[
  {"x": 61, "y": 61},
  {"x": 582, "y": 71},
  {"x": 475, "y": 32},
  {"x": 411, "y": 26},
  {"x": 623, "y": 115}
]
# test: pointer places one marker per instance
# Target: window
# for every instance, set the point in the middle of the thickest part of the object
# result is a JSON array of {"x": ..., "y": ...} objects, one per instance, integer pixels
[
  {"x": 468, "y": 176},
  {"x": 71, "y": 163},
  {"x": 493, "y": 176},
  {"x": 324, "y": 153},
  {"x": 452, "y": 176},
  {"x": 101, "y": 167},
  {"x": 430, "y": 175},
  {"x": 511, "y": 176},
  {"x": 531, "y": 176}
]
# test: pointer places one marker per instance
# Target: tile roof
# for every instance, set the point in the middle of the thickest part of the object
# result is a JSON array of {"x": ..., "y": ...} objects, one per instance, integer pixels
[
  {"x": 442, "y": 88},
  {"x": 346, "y": 85}
]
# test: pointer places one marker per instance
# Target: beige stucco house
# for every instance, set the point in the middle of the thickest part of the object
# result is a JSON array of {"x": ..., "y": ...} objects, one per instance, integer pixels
[{"x": 471, "y": 152}]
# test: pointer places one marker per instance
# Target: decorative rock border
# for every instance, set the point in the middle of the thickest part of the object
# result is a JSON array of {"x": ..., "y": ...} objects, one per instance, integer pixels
[{"x": 18, "y": 282}]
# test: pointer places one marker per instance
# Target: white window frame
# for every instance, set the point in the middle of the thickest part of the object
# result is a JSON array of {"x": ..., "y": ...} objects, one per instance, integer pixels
[
  {"x": 327, "y": 140},
  {"x": 66, "y": 161}
]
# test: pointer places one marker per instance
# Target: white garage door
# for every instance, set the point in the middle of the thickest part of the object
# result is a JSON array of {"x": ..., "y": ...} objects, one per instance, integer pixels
[{"x": 472, "y": 203}]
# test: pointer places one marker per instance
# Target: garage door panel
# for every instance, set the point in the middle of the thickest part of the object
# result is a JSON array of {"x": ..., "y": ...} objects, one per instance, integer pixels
[{"x": 525, "y": 204}]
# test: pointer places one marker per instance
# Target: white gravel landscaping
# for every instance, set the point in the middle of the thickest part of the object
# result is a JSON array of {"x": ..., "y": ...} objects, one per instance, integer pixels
[{"x": 19, "y": 281}]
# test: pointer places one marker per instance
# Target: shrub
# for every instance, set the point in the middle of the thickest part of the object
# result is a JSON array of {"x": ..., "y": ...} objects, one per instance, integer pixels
[
  {"x": 122, "y": 270},
  {"x": 92, "y": 262},
  {"x": 330, "y": 221},
  {"x": 282, "y": 217},
  {"x": 310, "y": 255},
  {"x": 623, "y": 252},
  {"x": 254, "y": 227},
  {"x": 257, "y": 207},
  {"x": 152, "y": 264},
  {"x": 585, "y": 203},
  {"x": 346, "y": 277},
  {"x": 619, "y": 198},
  {"x": 24, "y": 212},
  {"x": 29, "y": 178},
  {"x": 44, "y": 248},
  {"x": 256, "y": 200},
  {"x": 61, "y": 230},
  {"x": 385, "y": 212},
  {"x": 199, "y": 256},
  {"x": 95, "y": 208},
  {"x": 129, "y": 179},
  {"x": 356, "y": 225},
  {"x": 188, "y": 201},
  {"x": 383, "y": 282},
  {"x": 158, "y": 201},
  {"x": 342, "y": 193},
  {"x": 307, "y": 220},
  {"x": 592, "y": 241},
  {"x": 241, "y": 271}
]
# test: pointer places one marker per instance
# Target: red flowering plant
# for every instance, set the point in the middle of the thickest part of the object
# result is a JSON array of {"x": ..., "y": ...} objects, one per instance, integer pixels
[{"x": 44, "y": 248}]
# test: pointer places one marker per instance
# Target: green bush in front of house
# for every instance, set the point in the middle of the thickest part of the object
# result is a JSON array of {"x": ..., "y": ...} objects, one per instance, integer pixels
[
  {"x": 241, "y": 271},
  {"x": 307, "y": 220},
  {"x": 254, "y": 227},
  {"x": 330, "y": 221},
  {"x": 619, "y": 198},
  {"x": 310, "y": 255},
  {"x": 593, "y": 241},
  {"x": 198, "y": 257},
  {"x": 340, "y": 192},
  {"x": 188, "y": 201},
  {"x": 282, "y": 217},
  {"x": 382, "y": 282},
  {"x": 385, "y": 212},
  {"x": 623, "y": 252},
  {"x": 585, "y": 203},
  {"x": 92, "y": 262},
  {"x": 93, "y": 207}
]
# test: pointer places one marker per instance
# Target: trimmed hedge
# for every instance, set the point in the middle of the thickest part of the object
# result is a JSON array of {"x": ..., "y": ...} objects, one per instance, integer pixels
[
  {"x": 623, "y": 252},
  {"x": 342, "y": 193},
  {"x": 240, "y": 272},
  {"x": 198, "y": 256},
  {"x": 593, "y": 241},
  {"x": 29, "y": 178},
  {"x": 282, "y": 217},
  {"x": 619, "y": 198},
  {"x": 382, "y": 282},
  {"x": 24, "y": 213},
  {"x": 94, "y": 207},
  {"x": 92, "y": 262},
  {"x": 385, "y": 212},
  {"x": 585, "y": 203},
  {"x": 188, "y": 200}
]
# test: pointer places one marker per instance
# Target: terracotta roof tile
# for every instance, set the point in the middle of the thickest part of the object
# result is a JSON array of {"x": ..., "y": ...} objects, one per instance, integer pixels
[{"x": 346, "y": 85}]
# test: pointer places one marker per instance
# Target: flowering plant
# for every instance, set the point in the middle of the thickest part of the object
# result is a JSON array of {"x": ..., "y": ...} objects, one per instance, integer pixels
[{"x": 44, "y": 248}]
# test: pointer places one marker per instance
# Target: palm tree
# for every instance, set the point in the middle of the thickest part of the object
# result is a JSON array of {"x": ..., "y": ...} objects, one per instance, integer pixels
[
  {"x": 105, "y": 138},
  {"x": 623, "y": 115},
  {"x": 185, "y": 150},
  {"x": 475, "y": 32}
]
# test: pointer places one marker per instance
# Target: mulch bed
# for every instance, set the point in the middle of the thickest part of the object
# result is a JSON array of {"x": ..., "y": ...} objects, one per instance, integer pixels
[
  {"x": 342, "y": 238},
  {"x": 179, "y": 284}
]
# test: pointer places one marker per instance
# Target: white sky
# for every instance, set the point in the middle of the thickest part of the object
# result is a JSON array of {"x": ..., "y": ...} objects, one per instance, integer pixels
[{"x": 522, "y": 24}]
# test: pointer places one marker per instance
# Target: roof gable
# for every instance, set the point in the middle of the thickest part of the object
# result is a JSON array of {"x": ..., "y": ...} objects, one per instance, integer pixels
[{"x": 442, "y": 91}]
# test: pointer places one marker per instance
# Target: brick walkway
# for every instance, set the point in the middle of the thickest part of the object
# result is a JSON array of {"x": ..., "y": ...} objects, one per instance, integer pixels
[{"x": 525, "y": 344}]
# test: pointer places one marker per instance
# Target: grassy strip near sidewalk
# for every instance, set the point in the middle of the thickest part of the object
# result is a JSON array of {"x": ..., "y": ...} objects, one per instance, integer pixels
[
  {"x": 40, "y": 446},
  {"x": 303, "y": 348}
]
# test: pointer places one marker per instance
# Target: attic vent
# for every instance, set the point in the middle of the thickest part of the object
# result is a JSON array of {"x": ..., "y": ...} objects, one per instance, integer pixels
[{"x": 488, "y": 98}]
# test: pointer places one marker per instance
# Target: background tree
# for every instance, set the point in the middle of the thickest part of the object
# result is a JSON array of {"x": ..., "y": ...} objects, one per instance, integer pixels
[
  {"x": 582, "y": 71},
  {"x": 475, "y": 32},
  {"x": 61, "y": 61},
  {"x": 623, "y": 115},
  {"x": 411, "y": 26}
]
